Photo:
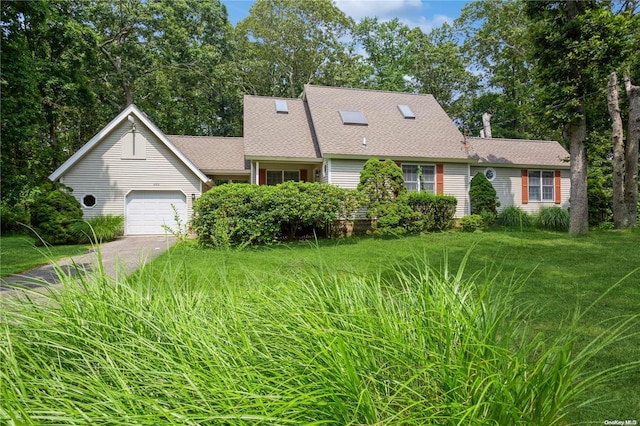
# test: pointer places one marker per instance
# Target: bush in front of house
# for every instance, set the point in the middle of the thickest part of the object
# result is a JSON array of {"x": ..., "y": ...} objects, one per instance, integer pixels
[
  {"x": 472, "y": 223},
  {"x": 553, "y": 219},
  {"x": 437, "y": 210},
  {"x": 98, "y": 229},
  {"x": 483, "y": 198},
  {"x": 240, "y": 214},
  {"x": 52, "y": 213},
  {"x": 381, "y": 182},
  {"x": 514, "y": 217}
]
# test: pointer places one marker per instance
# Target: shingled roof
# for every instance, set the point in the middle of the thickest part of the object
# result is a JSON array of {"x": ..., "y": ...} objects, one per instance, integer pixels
[
  {"x": 210, "y": 154},
  {"x": 431, "y": 134},
  {"x": 517, "y": 152},
  {"x": 279, "y": 135}
]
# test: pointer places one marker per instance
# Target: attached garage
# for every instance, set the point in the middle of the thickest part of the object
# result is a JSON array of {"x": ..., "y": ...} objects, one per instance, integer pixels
[{"x": 147, "y": 211}]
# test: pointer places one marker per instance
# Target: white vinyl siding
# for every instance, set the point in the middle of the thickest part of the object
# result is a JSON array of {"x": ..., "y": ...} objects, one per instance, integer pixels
[
  {"x": 103, "y": 173},
  {"x": 456, "y": 184},
  {"x": 346, "y": 173},
  {"x": 508, "y": 186}
]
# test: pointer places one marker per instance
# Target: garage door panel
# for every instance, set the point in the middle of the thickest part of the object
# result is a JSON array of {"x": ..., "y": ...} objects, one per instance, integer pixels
[{"x": 148, "y": 211}]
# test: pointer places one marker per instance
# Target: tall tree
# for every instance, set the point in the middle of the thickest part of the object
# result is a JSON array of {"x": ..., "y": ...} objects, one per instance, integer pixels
[
  {"x": 499, "y": 49},
  {"x": 288, "y": 43},
  {"x": 48, "y": 105},
  {"x": 573, "y": 43}
]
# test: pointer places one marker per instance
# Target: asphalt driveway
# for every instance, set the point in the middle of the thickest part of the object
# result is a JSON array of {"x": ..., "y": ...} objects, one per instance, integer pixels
[{"x": 122, "y": 256}]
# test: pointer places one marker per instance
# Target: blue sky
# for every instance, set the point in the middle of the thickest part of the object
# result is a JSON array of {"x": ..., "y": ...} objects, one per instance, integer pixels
[{"x": 414, "y": 13}]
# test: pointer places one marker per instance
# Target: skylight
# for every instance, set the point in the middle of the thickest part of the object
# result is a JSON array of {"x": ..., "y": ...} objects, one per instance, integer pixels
[
  {"x": 281, "y": 106},
  {"x": 353, "y": 117},
  {"x": 406, "y": 111}
]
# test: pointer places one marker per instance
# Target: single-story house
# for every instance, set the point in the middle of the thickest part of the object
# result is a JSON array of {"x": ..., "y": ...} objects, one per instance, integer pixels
[{"x": 132, "y": 168}]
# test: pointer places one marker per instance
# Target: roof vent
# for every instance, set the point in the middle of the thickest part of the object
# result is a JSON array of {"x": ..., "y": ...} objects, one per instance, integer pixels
[
  {"x": 281, "y": 106},
  {"x": 406, "y": 111},
  {"x": 353, "y": 117}
]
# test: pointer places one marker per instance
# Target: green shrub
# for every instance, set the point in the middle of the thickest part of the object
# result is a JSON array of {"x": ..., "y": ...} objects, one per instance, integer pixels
[
  {"x": 98, "y": 229},
  {"x": 380, "y": 182},
  {"x": 239, "y": 214},
  {"x": 52, "y": 212},
  {"x": 472, "y": 223},
  {"x": 396, "y": 218},
  {"x": 553, "y": 219},
  {"x": 482, "y": 195},
  {"x": 13, "y": 218},
  {"x": 514, "y": 217},
  {"x": 437, "y": 210}
]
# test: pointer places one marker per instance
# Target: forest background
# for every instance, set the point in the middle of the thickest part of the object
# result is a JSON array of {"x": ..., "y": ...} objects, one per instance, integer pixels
[{"x": 543, "y": 70}]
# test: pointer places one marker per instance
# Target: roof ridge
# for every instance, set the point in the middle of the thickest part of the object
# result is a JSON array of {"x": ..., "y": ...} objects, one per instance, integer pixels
[
  {"x": 357, "y": 89},
  {"x": 512, "y": 139}
]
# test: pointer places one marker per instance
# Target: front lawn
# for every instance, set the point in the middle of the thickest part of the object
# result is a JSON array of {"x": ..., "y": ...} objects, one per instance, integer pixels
[
  {"x": 19, "y": 253},
  {"x": 353, "y": 331}
]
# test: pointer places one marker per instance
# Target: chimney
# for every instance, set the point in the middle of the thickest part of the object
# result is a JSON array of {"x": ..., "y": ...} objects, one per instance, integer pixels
[{"x": 486, "y": 125}]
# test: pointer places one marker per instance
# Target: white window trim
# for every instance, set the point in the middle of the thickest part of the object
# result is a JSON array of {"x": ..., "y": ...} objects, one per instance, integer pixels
[
  {"x": 541, "y": 186},
  {"x": 419, "y": 182},
  {"x": 494, "y": 173},
  {"x": 281, "y": 173},
  {"x": 89, "y": 207}
]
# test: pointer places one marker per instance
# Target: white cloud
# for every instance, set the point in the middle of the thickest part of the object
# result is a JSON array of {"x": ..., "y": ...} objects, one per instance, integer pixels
[
  {"x": 413, "y": 13},
  {"x": 359, "y": 9}
]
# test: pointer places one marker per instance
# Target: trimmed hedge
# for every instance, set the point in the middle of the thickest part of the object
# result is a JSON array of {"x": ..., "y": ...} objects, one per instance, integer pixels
[
  {"x": 241, "y": 214},
  {"x": 415, "y": 212}
]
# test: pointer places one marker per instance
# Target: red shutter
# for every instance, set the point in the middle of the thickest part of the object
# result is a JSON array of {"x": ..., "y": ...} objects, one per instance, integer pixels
[
  {"x": 525, "y": 186},
  {"x": 303, "y": 175},
  {"x": 263, "y": 177},
  {"x": 440, "y": 179},
  {"x": 557, "y": 188}
]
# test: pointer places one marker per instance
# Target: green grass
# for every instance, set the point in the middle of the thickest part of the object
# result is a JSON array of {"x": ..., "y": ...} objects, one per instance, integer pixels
[
  {"x": 360, "y": 331},
  {"x": 19, "y": 253}
]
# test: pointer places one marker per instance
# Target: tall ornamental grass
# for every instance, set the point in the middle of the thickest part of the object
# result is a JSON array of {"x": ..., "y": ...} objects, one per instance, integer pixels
[{"x": 418, "y": 346}]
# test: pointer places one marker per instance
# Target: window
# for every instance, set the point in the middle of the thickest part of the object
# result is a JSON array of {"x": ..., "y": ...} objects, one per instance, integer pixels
[
  {"x": 490, "y": 174},
  {"x": 541, "y": 185},
  {"x": 274, "y": 177},
  {"x": 406, "y": 112},
  {"x": 89, "y": 201},
  {"x": 418, "y": 177},
  {"x": 353, "y": 117},
  {"x": 281, "y": 106}
]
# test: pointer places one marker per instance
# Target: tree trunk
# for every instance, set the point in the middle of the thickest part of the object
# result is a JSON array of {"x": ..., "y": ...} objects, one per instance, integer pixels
[
  {"x": 631, "y": 164},
  {"x": 579, "y": 211},
  {"x": 620, "y": 218}
]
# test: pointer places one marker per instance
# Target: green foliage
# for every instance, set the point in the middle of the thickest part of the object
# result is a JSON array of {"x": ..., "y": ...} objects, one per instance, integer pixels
[
  {"x": 437, "y": 211},
  {"x": 381, "y": 182},
  {"x": 52, "y": 213},
  {"x": 472, "y": 223},
  {"x": 513, "y": 217},
  {"x": 483, "y": 196},
  {"x": 100, "y": 229},
  {"x": 240, "y": 214},
  {"x": 396, "y": 218},
  {"x": 13, "y": 218},
  {"x": 553, "y": 219},
  {"x": 419, "y": 345}
]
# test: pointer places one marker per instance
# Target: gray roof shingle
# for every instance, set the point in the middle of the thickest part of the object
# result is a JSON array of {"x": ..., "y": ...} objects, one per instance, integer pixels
[
  {"x": 431, "y": 134},
  {"x": 268, "y": 133},
  {"x": 213, "y": 154},
  {"x": 517, "y": 152}
]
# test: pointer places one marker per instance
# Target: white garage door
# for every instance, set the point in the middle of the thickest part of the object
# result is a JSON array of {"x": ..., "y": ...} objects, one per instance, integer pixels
[{"x": 147, "y": 211}]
